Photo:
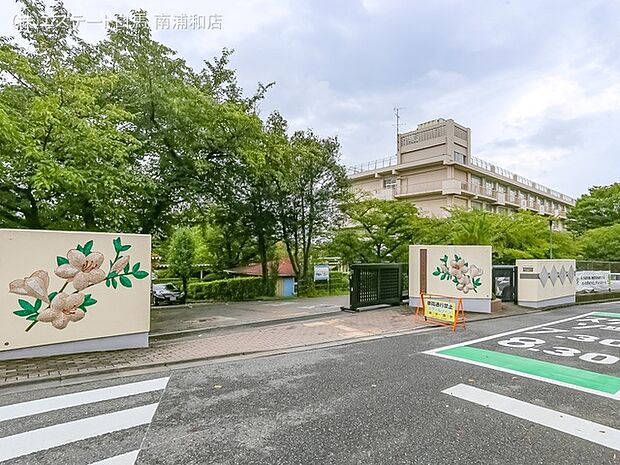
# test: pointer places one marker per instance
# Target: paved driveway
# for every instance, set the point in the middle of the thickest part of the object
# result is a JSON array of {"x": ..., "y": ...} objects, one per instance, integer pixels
[{"x": 222, "y": 314}]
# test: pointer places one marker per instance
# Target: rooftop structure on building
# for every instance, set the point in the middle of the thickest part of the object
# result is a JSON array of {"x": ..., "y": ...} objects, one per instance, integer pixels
[{"x": 434, "y": 169}]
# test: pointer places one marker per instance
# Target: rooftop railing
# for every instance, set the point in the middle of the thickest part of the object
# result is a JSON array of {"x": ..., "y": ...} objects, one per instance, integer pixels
[
  {"x": 373, "y": 165},
  {"x": 387, "y": 162}
]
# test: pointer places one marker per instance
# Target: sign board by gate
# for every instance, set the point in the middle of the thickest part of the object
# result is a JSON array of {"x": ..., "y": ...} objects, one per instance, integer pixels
[
  {"x": 441, "y": 310},
  {"x": 593, "y": 281},
  {"x": 321, "y": 272}
]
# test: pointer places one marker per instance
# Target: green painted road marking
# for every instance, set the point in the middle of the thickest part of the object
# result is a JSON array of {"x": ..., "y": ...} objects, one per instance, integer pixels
[
  {"x": 606, "y": 314},
  {"x": 551, "y": 371}
]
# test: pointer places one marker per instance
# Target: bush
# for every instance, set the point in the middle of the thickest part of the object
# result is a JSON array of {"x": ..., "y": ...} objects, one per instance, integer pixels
[
  {"x": 228, "y": 289},
  {"x": 178, "y": 282}
]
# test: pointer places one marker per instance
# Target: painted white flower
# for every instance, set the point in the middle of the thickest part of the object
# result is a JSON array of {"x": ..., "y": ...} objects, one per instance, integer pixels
[
  {"x": 475, "y": 271},
  {"x": 63, "y": 309},
  {"x": 458, "y": 268},
  {"x": 82, "y": 270},
  {"x": 465, "y": 285},
  {"x": 120, "y": 264},
  {"x": 34, "y": 286}
]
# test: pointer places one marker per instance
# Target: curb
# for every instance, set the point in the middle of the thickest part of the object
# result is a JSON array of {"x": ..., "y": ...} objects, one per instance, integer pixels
[
  {"x": 252, "y": 324},
  {"x": 73, "y": 378},
  {"x": 63, "y": 380}
]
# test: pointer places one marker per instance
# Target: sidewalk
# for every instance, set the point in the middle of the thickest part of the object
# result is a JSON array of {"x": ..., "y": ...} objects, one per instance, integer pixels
[{"x": 346, "y": 326}]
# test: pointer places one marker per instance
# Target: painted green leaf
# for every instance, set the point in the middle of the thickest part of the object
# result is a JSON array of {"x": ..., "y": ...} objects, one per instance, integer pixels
[
  {"x": 52, "y": 295},
  {"x": 140, "y": 274},
  {"x": 117, "y": 244},
  {"x": 26, "y": 305},
  {"x": 88, "y": 247},
  {"x": 125, "y": 281},
  {"x": 107, "y": 282},
  {"x": 126, "y": 269},
  {"x": 436, "y": 273},
  {"x": 125, "y": 248},
  {"x": 88, "y": 301},
  {"x": 114, "y": 283},
  {"x": 24, "y": 312},
  {"x": 80, "y": 248},
  {"x": 61, "y": 260},
  {"x": 113, "y": 274},
  {"x": 37, "y": 305},
  {"x": 136, "y": 267},
  {"x": 33, "y": 317}
]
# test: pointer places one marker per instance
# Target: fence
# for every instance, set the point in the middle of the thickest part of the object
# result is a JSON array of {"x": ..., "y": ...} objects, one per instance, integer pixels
[
  {"x": 595, "y": 265},
  {"x": 377, "y": 284}
]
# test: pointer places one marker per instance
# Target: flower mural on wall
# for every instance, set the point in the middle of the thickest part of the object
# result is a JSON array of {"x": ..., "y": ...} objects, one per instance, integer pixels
[
  {"x": 466, "y": 277},
  {"x": 80, "y": 267}
]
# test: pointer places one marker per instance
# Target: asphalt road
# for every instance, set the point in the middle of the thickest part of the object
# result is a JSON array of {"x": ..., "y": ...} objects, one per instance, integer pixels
[{"x": 378, "y": 402}]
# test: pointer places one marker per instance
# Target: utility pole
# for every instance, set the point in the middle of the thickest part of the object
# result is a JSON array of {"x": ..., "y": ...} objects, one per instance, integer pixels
[
  {"x": 398, "y": 124},
  {"x": 551, "y": 239}
]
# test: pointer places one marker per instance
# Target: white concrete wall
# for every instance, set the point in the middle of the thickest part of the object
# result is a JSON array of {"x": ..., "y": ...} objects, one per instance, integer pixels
[
  {"x": 64, "y": 292},
  {"x": 469, "y": 277},
  {"x": 542, "y": 283}
]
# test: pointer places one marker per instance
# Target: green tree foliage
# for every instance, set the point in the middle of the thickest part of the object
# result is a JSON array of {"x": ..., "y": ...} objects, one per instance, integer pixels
[
  {"x": 65, "y": 163},
  {"x": 381, "y": 231},
  {"x": 599, "y": 207},
  {"x": 310, "y": 186},
  {"x": 181, "y": 254},
  {"x": 602, "y": 243},
  {"x": 518, "y": 235}
]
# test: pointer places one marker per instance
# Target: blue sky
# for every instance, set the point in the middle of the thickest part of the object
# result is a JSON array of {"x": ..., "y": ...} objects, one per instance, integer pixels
[{"x": 538, "y": 82}]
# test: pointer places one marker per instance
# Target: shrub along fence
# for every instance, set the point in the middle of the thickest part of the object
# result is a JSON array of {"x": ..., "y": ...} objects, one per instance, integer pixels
[{"x": 228, "y": 289}]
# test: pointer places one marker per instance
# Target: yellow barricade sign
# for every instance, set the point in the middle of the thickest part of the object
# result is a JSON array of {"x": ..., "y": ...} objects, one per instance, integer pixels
[{"x": 440, "y": 310}]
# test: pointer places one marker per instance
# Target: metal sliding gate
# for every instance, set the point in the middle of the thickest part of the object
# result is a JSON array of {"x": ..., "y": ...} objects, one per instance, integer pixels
[{"x": 377, "y": 284}]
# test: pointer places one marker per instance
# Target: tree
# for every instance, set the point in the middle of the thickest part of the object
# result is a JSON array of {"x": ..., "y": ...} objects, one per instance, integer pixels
[
  {"x": 66, "y": 159},
  {"x": 310, "y": 186},
  {"x": 381, "y": 231},
  {"x": 518, "y": 235},
  {"x": 599, "y": 207},
  {"x": 601, "y": 243},
  {"x": 180, "y": 255}
]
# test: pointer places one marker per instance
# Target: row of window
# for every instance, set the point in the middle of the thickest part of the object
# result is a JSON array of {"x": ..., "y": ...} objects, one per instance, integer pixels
[{"x": 513, "y": 195}]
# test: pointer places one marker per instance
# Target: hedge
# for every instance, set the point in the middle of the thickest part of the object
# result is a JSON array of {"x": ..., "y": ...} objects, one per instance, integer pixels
[{"x": 227, "y": 289}]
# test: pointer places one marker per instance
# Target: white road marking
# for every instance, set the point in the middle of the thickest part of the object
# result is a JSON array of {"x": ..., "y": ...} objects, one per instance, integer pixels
[
  {"x": 575, "y": 426},
  {"x": 64, "y": 433},
  {"x": 493, "y": 336},
  {"x": 521, "y": 374},
  {"x": 24, "y": 409},
  {"x": 123, "y": 459}
]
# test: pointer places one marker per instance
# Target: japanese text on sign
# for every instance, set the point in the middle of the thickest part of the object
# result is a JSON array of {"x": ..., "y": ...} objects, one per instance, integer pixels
[{"x": 440, "y": 310}]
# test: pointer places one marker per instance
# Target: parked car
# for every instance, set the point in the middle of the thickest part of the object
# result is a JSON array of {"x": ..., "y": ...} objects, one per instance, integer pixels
[{"x": 167, "y": 293}]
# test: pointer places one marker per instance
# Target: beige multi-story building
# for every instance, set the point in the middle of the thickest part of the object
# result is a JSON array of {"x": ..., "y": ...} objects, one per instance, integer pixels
[{"x": 434, "y": 169}]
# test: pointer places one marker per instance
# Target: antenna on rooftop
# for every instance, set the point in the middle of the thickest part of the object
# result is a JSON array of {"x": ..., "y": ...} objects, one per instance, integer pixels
[{"x": 398, "y": 125}]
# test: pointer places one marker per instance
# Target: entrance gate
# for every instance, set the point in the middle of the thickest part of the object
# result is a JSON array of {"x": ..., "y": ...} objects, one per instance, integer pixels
[
  {"x": 377, "y": 284},
  {"x": 505, "y": 282}
]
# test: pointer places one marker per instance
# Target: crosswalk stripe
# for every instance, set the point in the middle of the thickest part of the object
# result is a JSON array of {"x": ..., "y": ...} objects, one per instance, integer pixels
[
  {"x": 575, "y": 426},
  {"x": 123, "y": 459},
  {"x": 24, "y": 409},
  {"x": 64, "y": 433}
]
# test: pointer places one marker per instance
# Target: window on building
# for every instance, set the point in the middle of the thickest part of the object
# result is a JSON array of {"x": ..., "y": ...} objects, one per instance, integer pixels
[
  {"x": 476, "y": 205},
  {"x": 389, "y": 183},
  {"x": 459, "y": 157},
  {"x": 476, "y": 180}
]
